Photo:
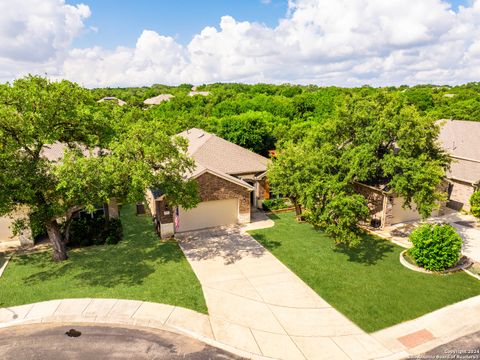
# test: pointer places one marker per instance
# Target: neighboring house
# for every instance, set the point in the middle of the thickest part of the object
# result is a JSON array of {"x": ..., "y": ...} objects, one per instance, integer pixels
[
  {"x": 158, "y": 99},
  {"x": 113, "y": 99},
  {"x": 461, "y": 139},
  {"x": 53, "y": 153},
  {"x": 231, "y": 181},
  {"x": 194, "y": 92},
  {"x": 386, "y": 208}
]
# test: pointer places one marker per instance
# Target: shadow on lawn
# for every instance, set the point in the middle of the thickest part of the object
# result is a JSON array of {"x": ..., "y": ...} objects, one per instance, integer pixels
[
  {"x": 369, "y": 251},
  {"x": 127, "y": 263},
  {"x": 267, "y": 243}
]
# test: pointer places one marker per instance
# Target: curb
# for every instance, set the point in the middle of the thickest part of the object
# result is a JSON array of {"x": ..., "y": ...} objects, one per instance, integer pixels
[
  {"x": 4, "y": 266},
  {"x": 122, "y": 321},
  {"x": 406, "y": 264}
]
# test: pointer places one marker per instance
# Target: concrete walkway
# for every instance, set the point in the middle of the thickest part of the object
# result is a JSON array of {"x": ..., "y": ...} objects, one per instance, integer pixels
[
  {"x": 258, "y": 305},
  {"x": 467, "y": 226}
]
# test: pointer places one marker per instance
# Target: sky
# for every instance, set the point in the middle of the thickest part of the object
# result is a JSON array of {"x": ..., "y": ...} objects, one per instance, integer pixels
[{"x": 343, "y": 42}]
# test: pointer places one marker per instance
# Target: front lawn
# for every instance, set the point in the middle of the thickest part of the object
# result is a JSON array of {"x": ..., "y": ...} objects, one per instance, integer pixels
[
  {"x": 140, "y": 267},
  {"x": 367, "y": 284}
]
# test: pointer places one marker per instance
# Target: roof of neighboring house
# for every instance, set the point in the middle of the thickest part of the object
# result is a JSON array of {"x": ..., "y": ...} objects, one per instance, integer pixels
[
  {"x": 54, "y": 152},
  {"x": 158, "y": 99},
  {"x": 213, "y": 152},
  {"x": 203, "y": 93},
  {"x": 461, "y": 139},
  {"x": 112, "y": 98}
]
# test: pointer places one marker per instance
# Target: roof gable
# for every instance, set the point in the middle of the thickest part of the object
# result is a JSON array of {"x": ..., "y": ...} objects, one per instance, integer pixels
[{"x": 213, "y": 152}]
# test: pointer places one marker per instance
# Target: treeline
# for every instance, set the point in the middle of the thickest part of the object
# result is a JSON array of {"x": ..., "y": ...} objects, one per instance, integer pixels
[{"x": 264, "y": 116}]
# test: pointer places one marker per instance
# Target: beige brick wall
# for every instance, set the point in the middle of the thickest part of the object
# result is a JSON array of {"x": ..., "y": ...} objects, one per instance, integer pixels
[{"x": 212, "y": 187}]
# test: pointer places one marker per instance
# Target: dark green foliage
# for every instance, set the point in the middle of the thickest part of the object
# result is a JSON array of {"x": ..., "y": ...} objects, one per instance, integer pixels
[
  {"x": 475, "y": 204},
  {"x": 435, "y": 247},
  {"x": 275, "y": 204},
  {"x": 88, "y": 231}
]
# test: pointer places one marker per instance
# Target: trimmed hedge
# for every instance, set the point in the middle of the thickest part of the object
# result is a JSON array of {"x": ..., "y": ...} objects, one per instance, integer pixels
[
  {"x": 275, "y": 204},
  {"x": 435, "y": 247},
  {"x": 475, "y": 204}
]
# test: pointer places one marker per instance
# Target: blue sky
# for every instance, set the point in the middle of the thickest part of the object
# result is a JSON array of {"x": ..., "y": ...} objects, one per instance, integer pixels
[{"x": 120, "y": 22}]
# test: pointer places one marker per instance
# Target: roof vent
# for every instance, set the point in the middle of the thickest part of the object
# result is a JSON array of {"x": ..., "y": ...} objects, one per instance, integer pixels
[{"x": 201, "y": 135}]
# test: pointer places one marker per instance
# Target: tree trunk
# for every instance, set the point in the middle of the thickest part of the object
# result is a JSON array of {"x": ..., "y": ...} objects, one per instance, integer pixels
[
  {"x": 298, "y": 207},
  {"x": 55, "y": 237}
]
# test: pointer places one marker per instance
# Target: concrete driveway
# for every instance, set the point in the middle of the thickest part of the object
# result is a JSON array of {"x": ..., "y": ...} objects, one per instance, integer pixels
[{"x": 257, "y": 304}]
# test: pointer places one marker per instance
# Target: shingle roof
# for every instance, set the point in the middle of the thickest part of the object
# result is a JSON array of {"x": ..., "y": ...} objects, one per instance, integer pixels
[
  {"x": 461, "y": 139},
  {"x": 158, "y": 99},
  {"x": 112, "y": 98},
  {"x": 54, "y": 152},
  {"x": 213, "y": 152}
]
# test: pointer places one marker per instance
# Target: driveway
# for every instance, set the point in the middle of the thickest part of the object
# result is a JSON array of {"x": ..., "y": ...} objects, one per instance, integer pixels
[
  {"x": 50, "y": 342},
  {"x": 257, "y": 304},
  {"x": 467, "y": 226}
]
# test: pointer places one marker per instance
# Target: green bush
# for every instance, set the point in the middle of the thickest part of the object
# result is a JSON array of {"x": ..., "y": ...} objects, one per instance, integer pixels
[
  {"x": 113, "y": 232},
  {"x": 96, "y": 231},
  {"x": 475, "y": 204},
  {"x": 435, "y": 247},
  {"x": 275, "y": 204}
]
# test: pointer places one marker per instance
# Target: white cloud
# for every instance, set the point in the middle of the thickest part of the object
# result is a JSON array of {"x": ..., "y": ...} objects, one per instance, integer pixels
[
  {"x": 35, "y": 34},
  {"x": 342, "y": 42}
]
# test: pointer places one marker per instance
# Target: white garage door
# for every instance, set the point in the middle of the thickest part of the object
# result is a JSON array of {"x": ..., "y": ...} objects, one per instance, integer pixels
[
  {"x": 5, "y": 231},
  {"x": 209, "y": 214},
  {"x": 403, "y": 215}
]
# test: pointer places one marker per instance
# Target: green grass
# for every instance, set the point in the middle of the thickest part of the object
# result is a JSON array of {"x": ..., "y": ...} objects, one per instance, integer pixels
[
  {"x": 367, "y": 284},
  {"x": 140, "y": 267}
]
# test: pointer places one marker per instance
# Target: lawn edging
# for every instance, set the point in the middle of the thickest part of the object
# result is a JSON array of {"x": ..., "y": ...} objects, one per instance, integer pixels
[
  {"x": 126, "y": 313},
  {"x": 407, "y": 264},
  {"x": 4, "y": 266}
]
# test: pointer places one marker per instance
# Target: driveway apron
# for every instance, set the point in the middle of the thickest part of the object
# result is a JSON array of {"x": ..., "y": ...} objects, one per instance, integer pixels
[{"x": 257, "y": 304}]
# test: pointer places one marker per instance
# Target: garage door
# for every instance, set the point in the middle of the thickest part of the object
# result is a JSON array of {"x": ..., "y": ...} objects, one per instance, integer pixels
[
  {"x": 5, "y": 231},
  {"x": 209, "y": 214},
  {"x": 403, "y": 215}
]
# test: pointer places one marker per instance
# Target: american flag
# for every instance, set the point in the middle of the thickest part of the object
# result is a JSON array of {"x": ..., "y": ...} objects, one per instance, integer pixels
[{"x": 177, "y": 219}]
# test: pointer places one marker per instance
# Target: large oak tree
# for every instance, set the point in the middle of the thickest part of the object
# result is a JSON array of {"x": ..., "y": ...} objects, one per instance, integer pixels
[{"x": 100, "y": 161}]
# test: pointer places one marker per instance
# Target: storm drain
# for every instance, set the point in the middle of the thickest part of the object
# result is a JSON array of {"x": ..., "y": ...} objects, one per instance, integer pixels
[{"x": 73, "y": 333}]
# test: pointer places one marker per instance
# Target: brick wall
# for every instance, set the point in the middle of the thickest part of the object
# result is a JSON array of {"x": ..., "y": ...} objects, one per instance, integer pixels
[
  {"x": 212, "y": 187},
  {"x": 161, "y": 210},
  {"x": 374, "y": 198}
]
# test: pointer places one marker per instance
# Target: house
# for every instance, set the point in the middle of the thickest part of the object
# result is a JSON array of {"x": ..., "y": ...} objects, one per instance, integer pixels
[
  {"x": 158, "y": 99},
  {"x": 231, "y": 181},
  {"x": 112, "y": 99},
  {"x": 53, "y": 153},
  {"x": 386, "y": 207},
  {"x": 461, "y": 139}
]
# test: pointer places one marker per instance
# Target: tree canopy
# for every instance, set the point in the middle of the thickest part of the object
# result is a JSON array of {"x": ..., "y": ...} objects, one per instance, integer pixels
[{"x": 98, "y": 160}]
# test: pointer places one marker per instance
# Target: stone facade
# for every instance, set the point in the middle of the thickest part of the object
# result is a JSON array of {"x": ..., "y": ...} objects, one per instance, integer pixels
[
  {"x": 375, "y": 199},
  {"x": 387, "y": 207},
  {"x": 460, "y": 193},
  {"x": 212, "y": 187}
]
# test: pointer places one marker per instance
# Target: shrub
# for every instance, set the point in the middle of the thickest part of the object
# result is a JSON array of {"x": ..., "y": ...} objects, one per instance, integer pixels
[
  {"x": 275, "y": 204},
  {"x": 435, "y": 247},
  {"x": 96, "y": 231},
  {"x": 475, "y": 204},
  {"x": 113, "y": 232}
]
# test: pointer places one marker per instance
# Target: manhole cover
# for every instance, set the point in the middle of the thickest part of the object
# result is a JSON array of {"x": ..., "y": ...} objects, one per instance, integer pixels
[{"x": 73, "y": 333}]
